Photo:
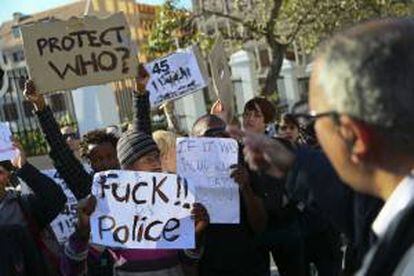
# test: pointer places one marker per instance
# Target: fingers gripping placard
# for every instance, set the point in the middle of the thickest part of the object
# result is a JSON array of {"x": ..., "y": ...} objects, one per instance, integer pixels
[
  {"x": 142, "y": 210},
  {"x": 79, "y": 52}
]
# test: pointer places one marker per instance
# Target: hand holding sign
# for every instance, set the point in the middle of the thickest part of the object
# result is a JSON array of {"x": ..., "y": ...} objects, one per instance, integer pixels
[
  {"x": 86, "y": 207},
  {"x": 142, "y": 79},
  {"x": 19, "y": 159},
  {"x": 38, "y": 100}
]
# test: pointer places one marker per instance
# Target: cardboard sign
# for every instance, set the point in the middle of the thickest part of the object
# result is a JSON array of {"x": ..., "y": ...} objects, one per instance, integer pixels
[
  {"x": 79, "y": 52},
  {"x": 205, "y": 163},
  {"x": 142, "y": 210},
  {"x": 221, "y": 74},
  {"x": 7, "y": 151},
  {"x": 65, "y": 223},
  {"x": 175, "y": 76},
  {"x": 4, "y": 78}
]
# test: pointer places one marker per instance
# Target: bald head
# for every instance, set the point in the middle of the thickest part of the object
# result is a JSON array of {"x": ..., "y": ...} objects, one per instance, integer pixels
[
  {"x": 366, "y": 73},
  {"x": 207, "y": 123}
]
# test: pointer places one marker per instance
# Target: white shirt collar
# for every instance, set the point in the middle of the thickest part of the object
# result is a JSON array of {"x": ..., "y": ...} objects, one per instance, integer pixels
[{"x": 399, "y": 200}]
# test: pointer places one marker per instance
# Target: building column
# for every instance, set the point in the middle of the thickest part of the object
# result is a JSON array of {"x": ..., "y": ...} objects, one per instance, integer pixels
[
  {"x": 188, "y": 109},
  {"x": 95, "y": 107},
  {"x": 290, "y": 79}
]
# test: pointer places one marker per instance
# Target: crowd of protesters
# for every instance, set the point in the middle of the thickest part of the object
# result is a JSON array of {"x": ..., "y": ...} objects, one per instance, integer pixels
[{"x": 337, "y": 205}]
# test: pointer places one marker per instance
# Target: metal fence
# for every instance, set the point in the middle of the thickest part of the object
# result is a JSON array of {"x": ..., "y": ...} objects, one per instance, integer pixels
[{"x": 16, "y": 110}]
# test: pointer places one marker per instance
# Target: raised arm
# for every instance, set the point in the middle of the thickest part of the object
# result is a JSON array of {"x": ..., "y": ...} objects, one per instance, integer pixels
[
  {"x": 255, "y": 210},
  {"x": 47, "y": 198},
  {"x": 141, "y": 103},
  {"x": 69, "y": 167}
]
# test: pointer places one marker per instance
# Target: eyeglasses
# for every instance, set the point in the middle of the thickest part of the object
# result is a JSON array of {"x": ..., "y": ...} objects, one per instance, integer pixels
[{"x": 313, "y": 115}]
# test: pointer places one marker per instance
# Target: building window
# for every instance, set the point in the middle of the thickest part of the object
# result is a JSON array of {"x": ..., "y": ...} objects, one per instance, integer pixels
[
  {"x": 10, "y": 112},
  {"x": 4, "y": 59},
  {"x": 28, "y": 109},
  {"x": 58, "y": 103},
  {"x": 16, "y": 32}
]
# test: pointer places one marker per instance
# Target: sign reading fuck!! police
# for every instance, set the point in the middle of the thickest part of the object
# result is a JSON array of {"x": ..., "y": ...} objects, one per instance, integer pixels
[
  {"x": 142, "y": 210},
  {"x": 79, "y": 52}
]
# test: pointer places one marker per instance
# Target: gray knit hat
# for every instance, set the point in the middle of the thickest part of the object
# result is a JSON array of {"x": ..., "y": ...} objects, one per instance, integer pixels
[{"x": 133, "y": 145}]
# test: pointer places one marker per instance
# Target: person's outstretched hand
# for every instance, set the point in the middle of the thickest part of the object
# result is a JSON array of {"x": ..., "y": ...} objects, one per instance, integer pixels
[
  {"x": 142, "y": 79},
  {"x": 219, "y": 110},
  {"x": 37, "y": 99},
  {"x": 264, "y": 154}
]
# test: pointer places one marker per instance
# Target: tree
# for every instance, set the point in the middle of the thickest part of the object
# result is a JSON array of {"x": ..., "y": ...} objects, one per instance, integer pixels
[{"x": 282, "y": 24}]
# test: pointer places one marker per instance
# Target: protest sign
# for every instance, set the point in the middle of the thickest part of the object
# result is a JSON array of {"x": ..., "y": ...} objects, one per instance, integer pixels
[
  {"x": 79, "y": 52},
  {"x": 64, "y": 224},
  {"x": 4, "y": 78},
  {"x": 221, "y": 74},
  {"x": 142, "y": 210},
  {"x": 176, "y": 75},
  {"x": 7, "y": 151},
  {"x": 205, "y": 163}
]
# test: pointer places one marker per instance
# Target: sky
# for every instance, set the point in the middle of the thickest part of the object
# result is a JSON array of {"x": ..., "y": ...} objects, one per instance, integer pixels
[{"x": 8, "y": 7}]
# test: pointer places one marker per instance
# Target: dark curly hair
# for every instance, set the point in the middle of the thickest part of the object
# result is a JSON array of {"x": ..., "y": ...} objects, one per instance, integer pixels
[
  {"x": 96, "y": 137},
  {"x": 266, "y": 107}
]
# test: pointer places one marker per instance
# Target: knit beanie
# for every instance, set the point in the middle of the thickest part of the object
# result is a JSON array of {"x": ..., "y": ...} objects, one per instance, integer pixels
[{"x": 133, "y": 145}]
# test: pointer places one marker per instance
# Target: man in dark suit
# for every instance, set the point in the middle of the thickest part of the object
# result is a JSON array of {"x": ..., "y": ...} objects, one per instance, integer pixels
[{"x": 362, "y": 99}]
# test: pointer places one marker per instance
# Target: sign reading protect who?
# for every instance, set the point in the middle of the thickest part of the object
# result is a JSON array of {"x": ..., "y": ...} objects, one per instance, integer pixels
[{"x": 79, "y": 52}]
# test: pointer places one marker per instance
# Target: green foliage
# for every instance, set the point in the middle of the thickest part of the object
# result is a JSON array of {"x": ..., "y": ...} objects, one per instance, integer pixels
[
  {"x": 174, "y": 28},
  {"x": 320, "y": 19}
]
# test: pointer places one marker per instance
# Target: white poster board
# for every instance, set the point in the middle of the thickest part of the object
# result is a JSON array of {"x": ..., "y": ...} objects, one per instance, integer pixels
[
  {"x": 221, "y": 75},
  {"x": 205, "y": 163},
  {"x": 65, "y": 223},
  {"x": 142, "y": 210},
  {"x": 174, "y": 76},
  {"x": 79, "y": 52},
  {"x": 7, "y": 151}
]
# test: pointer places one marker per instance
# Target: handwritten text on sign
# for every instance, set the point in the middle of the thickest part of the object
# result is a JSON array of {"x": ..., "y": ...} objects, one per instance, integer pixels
[
  {"x": 142, "y": 210},
  {"x": 205, "y": 163},
  {"x": 174, "y": 76},
  {"x": 64, "y": 224},
  {"x": 79, "y": 52},
  {"x": 7, "y": 151}
]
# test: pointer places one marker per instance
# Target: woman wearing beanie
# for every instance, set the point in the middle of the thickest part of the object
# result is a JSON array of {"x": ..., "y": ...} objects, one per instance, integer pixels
[{"x": 137, "y": 151}]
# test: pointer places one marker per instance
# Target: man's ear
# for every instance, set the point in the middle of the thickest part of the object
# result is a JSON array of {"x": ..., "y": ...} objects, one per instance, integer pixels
[{"x": 357, "y": 135}]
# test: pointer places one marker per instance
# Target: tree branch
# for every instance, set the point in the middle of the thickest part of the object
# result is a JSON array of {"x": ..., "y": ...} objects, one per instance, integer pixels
[
  {"x": 237, "y": 20},
  {"x": 271, "y": 23}
]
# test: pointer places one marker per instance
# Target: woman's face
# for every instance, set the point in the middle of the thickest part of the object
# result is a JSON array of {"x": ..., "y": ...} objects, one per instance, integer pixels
[
  {"x": 289, "y": 132},
  {"x": 254, "y": 121},
  {"x": 150, "y": 162}
]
